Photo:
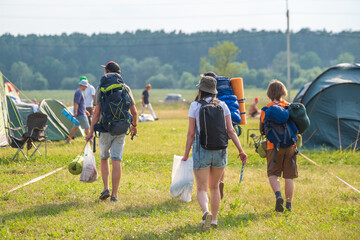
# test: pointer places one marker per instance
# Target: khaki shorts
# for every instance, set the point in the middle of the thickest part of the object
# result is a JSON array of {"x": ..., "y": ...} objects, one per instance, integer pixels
[
  {"x": 285, "y": 162},
  {"x": 111, "y": 146}
]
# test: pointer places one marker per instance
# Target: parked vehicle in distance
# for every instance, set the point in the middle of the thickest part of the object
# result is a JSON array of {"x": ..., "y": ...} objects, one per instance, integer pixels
[{"x": 173, "y": 97}]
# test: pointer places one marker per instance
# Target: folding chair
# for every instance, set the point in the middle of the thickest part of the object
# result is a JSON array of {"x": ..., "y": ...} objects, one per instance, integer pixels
[{"x": 36, "y": 126}]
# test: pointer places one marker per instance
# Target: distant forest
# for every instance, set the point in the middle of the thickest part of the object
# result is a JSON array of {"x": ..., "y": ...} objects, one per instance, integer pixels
[{"x": 169, "y": 60}]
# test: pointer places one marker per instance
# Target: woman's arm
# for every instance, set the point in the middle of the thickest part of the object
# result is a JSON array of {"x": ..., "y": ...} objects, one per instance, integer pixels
[
  {"x": 190, "y": 138},
  {"x": 235, "y": 139}
]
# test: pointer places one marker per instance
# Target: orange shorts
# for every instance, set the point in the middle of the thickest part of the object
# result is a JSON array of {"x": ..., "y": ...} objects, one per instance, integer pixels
[{"x": 285, "y": 162}]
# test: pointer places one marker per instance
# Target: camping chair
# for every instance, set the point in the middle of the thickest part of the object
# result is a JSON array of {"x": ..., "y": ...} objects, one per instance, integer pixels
[{"x": 36, "y": 126}]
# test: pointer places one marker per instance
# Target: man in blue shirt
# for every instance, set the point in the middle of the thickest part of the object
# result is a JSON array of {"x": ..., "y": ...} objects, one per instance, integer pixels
[{"x": 80, "y": 112}]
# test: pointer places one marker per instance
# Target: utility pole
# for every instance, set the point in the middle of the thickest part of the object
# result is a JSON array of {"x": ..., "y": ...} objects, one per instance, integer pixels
[{"x": 288, "y": 52}]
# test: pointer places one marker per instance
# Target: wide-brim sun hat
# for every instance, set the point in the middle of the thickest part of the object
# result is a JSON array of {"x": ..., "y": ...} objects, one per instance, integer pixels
[
  {"x": 84, "y": 83},
  {"x": 207, "y": 84}
]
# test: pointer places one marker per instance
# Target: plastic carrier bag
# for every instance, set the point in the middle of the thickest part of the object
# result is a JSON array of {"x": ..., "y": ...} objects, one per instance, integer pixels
[
  {"x": 182, "y": 178},
  {"x": 89, "y": 173}
]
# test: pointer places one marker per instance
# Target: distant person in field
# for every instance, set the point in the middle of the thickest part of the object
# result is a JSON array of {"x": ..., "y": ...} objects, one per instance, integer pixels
[
  {"x": 145, "y": 103},
  {"x": 284, "y": 161},
  {"x": 209, "y": 165},
  {"x": 112, "y": 135},
  {"x": 253, "y": 109},
  {"x": 80, "y": 112},
  {"x": 89, "y": 95}
]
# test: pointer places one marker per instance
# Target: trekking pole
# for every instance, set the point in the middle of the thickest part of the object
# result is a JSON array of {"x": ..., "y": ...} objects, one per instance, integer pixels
[{"x": 242, "y": 171}]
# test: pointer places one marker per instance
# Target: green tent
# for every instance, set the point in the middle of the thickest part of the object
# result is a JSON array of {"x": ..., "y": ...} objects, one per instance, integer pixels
[
  {"x": 14, "y": 113},
  {"x": 332, "y": 102},
  {"x": 59, "y": 126}
]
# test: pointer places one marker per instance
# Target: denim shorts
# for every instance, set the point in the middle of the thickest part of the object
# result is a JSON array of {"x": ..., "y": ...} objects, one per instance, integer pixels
[
  {"x": 111, "y": 146},
  {"x": 84, "y": 122},
  {"x": 208, "y": 158}
]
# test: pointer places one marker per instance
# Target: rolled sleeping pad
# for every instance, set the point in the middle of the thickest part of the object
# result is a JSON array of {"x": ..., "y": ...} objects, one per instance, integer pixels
[
  {"x": 70, "y": 117},
  {"x": 238, "y": 89}
]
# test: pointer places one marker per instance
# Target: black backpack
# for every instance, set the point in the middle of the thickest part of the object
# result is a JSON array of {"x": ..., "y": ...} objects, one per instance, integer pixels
[
  {"x": 213, "y": 133},
  {"x": 115, "y": 103}
]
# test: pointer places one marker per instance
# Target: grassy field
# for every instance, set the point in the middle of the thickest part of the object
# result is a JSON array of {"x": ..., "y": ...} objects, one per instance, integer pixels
[{"x": 62, "y": 207}]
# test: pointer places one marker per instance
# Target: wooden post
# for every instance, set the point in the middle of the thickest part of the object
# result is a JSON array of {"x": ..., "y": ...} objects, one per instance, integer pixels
[
  {"x": 338, "y": 122},
  {"x": 357, "y": 137}
]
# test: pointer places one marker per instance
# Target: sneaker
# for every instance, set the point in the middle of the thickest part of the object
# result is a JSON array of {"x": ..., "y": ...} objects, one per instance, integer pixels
[
  {"x": 279, "y": 204},
  {"x": 207, "y": 217},
  {"x": 104, "y": 195},
  {"x": 114, "y": 199},
  {"x": 221, "y": 188},
  {"x": 213, "y": 225}
]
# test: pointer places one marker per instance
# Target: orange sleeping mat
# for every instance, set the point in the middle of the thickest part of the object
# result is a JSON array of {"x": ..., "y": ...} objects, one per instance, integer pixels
[{"x": 238, "y": 89}]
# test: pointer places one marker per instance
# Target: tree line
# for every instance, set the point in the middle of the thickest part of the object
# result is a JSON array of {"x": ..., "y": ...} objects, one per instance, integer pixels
[{"x": 172, "y": 60}]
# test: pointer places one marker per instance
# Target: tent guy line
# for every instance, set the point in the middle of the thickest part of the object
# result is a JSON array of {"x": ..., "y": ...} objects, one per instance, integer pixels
[
  {"x": 328, "y": 172},
  {"x": 35, "y": 179}
]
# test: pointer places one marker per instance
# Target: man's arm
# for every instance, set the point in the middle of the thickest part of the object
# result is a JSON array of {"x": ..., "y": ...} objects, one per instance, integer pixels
[
  {"x": 94, "y": 121},
  {"x": 133, "y": 112},
  {"x": 76, "y": 106}
]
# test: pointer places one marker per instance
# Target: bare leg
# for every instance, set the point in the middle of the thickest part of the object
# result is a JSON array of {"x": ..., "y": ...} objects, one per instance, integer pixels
[
  {"x": 202, "y": 177},
  {"x": 115, "y": 177},
  {"x": 215, "y": 175},
  {"x": 275, "y": 183},
  {"x": 71, "y": 134},
  {"x": 105, "y": 172},
  {"x": 289, "y": 189}
]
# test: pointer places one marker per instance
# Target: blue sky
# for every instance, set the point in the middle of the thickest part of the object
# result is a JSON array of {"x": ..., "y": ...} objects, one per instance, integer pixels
[{"x": 49, "y": 17}]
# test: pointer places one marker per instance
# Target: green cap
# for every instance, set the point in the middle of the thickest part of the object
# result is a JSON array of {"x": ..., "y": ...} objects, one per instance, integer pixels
[{"x": 82, "y": 78}]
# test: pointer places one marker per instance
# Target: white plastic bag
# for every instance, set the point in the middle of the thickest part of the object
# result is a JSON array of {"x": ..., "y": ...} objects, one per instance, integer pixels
[
  {"x": 182, "y": 178},
  {"x": 89, "y": 173}
]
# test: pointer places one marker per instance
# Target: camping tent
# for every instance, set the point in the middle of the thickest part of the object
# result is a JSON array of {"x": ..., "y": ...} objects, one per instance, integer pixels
[
  {"x": 332, "y": 102},
  {"x": 14, "y": 112}
]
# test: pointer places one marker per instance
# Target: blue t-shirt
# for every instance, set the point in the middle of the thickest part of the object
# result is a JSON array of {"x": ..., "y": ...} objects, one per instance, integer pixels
[
  {"x": 79, "y": 99},
  {"x": 146, "y": 96}
]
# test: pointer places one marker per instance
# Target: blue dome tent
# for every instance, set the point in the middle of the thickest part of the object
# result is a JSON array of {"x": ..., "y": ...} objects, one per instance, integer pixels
[{"x": 332, "y": 102}]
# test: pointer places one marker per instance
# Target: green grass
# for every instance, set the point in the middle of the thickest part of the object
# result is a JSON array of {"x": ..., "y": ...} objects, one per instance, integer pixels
[{"x": 62, "y": 207}]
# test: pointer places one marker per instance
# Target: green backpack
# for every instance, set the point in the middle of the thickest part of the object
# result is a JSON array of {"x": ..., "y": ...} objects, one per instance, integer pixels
[
  {"x": 298, "y": 115},
  {"x": 260, "y": 143}
]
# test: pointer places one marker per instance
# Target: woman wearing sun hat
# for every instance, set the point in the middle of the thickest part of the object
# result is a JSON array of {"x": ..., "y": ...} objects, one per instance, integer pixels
[{"x": 209, "y": 165}]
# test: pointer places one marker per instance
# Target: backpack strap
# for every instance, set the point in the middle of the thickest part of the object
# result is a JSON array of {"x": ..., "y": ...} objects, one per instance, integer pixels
[{"x": 202, "y": 102}]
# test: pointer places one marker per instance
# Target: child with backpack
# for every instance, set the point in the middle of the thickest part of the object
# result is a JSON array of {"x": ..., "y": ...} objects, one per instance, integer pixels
[
  {"x": 281, "y": 150},
  {"x": 209, "y": 127}
]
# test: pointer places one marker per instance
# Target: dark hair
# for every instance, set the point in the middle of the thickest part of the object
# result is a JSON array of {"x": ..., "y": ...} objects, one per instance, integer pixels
[{"x": 203, "y": 95}]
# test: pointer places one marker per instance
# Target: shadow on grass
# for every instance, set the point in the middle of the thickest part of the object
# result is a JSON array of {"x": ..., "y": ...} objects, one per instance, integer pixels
[
  {"x": 194, "y": 230},
  {"x": 38, "y": 211},
  {"x": 176, "y": 233},
  {"x": 171, "y": 205}
]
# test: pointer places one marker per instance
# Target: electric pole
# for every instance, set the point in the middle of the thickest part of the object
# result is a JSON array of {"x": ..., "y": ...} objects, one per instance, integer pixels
[{"x": 288, "y": 52}]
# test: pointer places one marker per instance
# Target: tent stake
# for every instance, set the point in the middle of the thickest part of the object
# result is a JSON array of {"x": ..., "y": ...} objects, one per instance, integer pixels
[
  {"x": 338, "y": 122},
  {"x": 357, "y": 137}
]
